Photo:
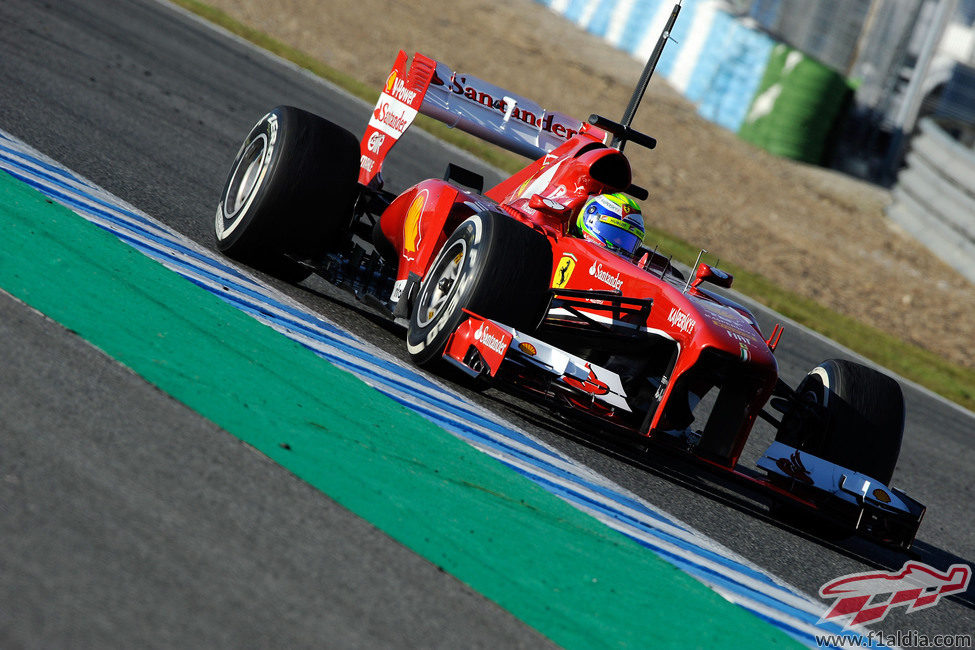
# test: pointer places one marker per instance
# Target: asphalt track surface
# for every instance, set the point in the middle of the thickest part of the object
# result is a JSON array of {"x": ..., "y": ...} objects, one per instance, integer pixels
[{"x": 129, "y": 519}]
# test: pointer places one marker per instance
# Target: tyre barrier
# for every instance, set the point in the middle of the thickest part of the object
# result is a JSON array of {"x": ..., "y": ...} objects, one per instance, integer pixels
[
  {"x": 934, "y": 199},
  {"x": 796, "y": 106}
]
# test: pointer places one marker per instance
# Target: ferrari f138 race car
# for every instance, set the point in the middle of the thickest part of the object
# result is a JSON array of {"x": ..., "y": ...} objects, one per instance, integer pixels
[{"x": 542, "y": 285}]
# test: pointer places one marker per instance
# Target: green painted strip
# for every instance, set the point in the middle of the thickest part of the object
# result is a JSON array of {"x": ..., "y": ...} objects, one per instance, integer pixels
[{"x": 576, "y": 581}]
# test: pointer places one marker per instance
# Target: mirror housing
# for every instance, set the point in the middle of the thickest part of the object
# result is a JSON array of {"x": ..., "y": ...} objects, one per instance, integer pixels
[
  {"x": 715, "y": 276},
  {"x": 548, "y": 206}
]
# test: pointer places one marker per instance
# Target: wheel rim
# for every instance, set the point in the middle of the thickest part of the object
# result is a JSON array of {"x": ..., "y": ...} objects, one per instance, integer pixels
[
  {"x": 245, "y": 180},
  {"x": 818, "y": 386},
  {"x": 443, "y": 283}
]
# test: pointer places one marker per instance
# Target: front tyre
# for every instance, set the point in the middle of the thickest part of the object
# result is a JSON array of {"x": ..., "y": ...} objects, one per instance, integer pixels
[
  {"x": 492, "y": 265},
  {"x": 290, "y": 192},
  {"x": 858, "y": 420}
]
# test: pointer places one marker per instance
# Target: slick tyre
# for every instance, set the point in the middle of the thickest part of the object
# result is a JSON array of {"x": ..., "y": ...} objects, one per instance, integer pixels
[
  {"x": 492, "y": 265},
  {"x": 861, "y": 423},
  {"x": 290, "y": 192}
]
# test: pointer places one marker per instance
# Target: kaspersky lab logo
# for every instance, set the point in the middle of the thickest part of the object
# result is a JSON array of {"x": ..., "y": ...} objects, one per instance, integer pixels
[{"x": 868, "y": 597}]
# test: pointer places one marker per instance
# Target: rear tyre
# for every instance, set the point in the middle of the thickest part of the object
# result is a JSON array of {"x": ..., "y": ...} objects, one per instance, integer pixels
[
  {"x": 492, "y": 265},
  {"x": 861, "y": 421},
  {"x": 290, "y": 192}
]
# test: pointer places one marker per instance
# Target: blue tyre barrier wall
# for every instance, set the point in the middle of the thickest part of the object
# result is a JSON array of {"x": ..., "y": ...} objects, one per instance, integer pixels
[{"x": 718, "y": 62}]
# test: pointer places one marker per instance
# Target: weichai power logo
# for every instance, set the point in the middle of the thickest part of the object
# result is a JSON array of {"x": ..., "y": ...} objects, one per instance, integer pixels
[{"x": 868, "y": 597}]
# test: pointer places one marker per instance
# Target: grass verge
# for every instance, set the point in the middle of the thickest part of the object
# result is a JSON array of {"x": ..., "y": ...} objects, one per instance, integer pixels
[{"x": 954, "y": 382}]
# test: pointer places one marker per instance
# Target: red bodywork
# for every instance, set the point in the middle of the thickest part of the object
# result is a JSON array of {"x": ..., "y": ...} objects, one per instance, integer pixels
[
  {"x": 627, "y": 343},
  {"x": 418, "y": 222}
]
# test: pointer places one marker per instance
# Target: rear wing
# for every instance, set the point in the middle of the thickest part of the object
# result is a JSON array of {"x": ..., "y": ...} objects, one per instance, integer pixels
[{"x": 462, "y": 101}]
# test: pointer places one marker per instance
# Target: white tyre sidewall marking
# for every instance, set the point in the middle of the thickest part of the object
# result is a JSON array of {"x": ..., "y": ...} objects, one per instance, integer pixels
[
  {"x": 221, "y": 228},
  {"x": 451, "y": 304},
  {"x": 460, "y": 285},
  {"x": 820, "y": 372}
]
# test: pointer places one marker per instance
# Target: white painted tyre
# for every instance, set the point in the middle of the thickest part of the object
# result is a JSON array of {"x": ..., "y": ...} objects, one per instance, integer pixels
[
  {"x": 861, "y": 421},
  {"x": 290, "y": 192},
  {"x": 492, "y": 265}
]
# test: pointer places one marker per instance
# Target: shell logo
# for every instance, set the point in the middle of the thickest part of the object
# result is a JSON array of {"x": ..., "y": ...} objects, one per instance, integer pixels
[
  {"x": 411, "y": 224},
  {"x": 880, "y": 495},
  {"x": 390, "y": 81}
]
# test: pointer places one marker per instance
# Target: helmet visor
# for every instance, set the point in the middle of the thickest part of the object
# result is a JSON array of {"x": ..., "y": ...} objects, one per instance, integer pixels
[
  {"x": 617, "y": 238},
  {"x": 619, "y": 234}
]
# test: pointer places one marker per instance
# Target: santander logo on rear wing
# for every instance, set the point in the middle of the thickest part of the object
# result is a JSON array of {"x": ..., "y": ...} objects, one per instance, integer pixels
[{"x": 464, "y": 102}]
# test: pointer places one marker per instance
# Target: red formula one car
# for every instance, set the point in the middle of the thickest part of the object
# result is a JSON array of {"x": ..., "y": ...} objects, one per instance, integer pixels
[{"x": 540, "y": 284}]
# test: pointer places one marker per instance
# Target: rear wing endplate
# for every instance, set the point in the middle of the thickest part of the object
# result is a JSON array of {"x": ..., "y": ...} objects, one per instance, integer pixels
[{"x": 464, "y": 102}]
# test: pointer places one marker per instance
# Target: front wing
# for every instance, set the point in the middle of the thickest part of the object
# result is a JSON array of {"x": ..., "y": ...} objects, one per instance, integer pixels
[{"x": 481, "y": 347}]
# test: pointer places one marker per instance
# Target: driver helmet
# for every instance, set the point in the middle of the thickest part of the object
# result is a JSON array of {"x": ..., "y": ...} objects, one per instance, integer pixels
[{"x": 613, "y": 220}]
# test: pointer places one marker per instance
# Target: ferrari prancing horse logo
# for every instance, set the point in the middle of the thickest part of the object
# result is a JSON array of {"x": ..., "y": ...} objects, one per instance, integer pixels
[{"x": 564, "y": 271}]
